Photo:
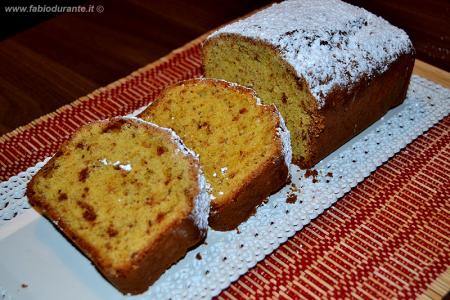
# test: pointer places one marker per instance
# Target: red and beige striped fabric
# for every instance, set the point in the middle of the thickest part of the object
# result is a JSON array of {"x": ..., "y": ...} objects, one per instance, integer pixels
[{"x": 387, "y": 238}]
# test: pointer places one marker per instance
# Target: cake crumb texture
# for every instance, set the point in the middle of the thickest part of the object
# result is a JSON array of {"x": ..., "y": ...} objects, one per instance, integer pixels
[
  {"x": 118, "y": 189},
  {"x": 237, "y": 139}
]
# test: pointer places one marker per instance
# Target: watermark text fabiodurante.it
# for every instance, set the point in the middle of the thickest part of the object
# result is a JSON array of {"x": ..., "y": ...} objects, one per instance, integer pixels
[{"x": 55, "y": 9}]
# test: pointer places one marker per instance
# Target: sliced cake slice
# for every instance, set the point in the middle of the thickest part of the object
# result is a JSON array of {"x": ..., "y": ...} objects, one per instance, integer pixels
[
  {"x": 129, "y": 194},
  {"x": 244, "y": 146}
]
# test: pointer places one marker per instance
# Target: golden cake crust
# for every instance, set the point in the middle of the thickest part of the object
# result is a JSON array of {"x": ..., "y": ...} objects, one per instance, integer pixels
[
  {"x": 265, "y": 181},
  {"x": 349, "y": 111},
  {"x": 146, "y": 266}
]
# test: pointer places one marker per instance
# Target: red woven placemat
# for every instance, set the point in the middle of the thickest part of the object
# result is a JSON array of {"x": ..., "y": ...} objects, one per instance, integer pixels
[{"x": 387, "y": 238}]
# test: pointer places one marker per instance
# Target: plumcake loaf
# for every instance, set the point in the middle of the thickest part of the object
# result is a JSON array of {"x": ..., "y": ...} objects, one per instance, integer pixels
[
  {"x": 244, "y": 146},
  {"x": 331, "y": 68},
  {"x": 129, "y": 195}
]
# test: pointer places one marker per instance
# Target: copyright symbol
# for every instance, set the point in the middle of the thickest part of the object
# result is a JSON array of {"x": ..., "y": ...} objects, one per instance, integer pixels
[{"x": 99, "y": 8}]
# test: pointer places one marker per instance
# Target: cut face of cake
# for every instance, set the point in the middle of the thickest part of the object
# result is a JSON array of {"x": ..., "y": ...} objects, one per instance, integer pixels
[
  {"x": 331, "y": 68},
  {"x": 244, "y": 146},
  {"x": 129, "y": 194}
]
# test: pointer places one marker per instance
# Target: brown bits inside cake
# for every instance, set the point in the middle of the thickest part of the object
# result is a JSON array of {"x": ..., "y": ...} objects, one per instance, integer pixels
[
  {"x": 83, "y": 175},
  {"x": 198, "y": 256},
  {"x": 89, "y": 212},
  {"x": 160, "y": 150},
  {"x": 62, "y": 197},
  {"x": 79, "y": 145},
  {"x": 114, "y": 125},
  {"x": 187, "y": 192},
  {"x": 160, "y": 217},
  {"x": 284, "y": 98},
  {"x": 111, "y": 188},
  {"x": 291, "y": 199},
  {"x": 330, "y": 174},
  {"x": 168, "y": 180},
  {"x": 149, "y": 201},
  {"x": 206, "y": 126},
  {"x": 201, "y": 125},
  {"x": 112, "y": 232},
  {"x": 85, "y": 191},
  {"x": 303, "y": 136},
  {"x": 243, "y": 110}
]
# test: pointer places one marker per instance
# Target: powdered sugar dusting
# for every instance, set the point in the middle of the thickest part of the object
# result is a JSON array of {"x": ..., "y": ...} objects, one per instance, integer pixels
[
  {"x": 285, "y": 136},
  {"x": 200, "y": 213},
  {"x": 117, "y": 164},
  {"x": 126, "y": 167},
  {"x": 328, "y": 42}
]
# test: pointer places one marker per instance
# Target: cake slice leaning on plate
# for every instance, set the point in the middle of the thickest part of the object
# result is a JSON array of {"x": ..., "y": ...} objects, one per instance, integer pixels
[
  {"x": 129, "y": 195},
  {"x": 244, "y": 146}
]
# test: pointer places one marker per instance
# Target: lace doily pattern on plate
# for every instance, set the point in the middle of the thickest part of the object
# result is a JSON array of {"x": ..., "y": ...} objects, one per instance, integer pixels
[
  {"x": 208, "y": 269},
  {"x": 13, "y": 200}
]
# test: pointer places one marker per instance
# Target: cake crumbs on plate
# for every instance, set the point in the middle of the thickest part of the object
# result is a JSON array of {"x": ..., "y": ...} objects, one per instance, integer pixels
[
  {"x": 311, "y": 172},
  {"x": 291, "y": 198},
  {"x": 294, "y": 188}
]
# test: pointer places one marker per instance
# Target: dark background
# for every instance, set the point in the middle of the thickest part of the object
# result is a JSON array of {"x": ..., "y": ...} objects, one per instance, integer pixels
[{"x": 50, "y": 59}]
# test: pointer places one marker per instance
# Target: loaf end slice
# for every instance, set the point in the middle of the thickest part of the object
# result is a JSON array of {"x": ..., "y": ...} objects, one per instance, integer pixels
[{"x": 129, "y": 195}]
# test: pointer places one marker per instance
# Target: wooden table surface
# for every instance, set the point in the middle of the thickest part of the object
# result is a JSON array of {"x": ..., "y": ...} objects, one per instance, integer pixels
[
  {"x": 70, "y": 55},
  {"x": 432, "y": 73}
]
